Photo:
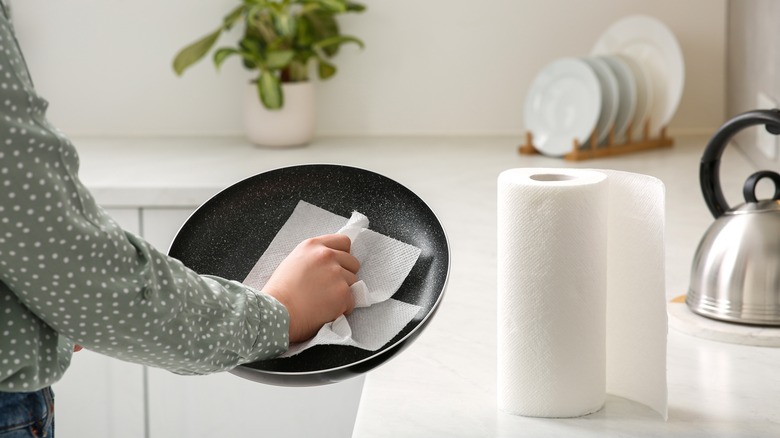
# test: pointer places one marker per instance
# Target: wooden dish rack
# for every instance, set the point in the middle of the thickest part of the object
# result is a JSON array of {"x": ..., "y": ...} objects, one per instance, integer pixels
[{"x": 592, "y": 149}]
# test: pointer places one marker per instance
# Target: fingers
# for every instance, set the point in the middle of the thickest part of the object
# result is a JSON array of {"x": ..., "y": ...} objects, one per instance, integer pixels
[
  {"x": 350, "y": 303},
  {"x": 349, "y": 277},
  {"x": 348, "y": 261},
  {"x": 341, "y": 244},
  {"x": 338, "y": 242}
]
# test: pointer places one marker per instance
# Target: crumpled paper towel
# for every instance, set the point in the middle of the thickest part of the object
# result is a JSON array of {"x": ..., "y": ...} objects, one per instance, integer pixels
[
  {"x": 581, "y": 302},
  {"x": 384, "y": 264}
]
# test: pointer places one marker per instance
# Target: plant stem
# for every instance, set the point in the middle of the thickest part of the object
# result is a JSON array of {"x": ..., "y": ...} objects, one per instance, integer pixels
[{"x": 286, "y": 75}]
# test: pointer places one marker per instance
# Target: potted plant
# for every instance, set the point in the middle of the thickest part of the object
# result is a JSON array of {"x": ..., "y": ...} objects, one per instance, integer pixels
[{"x": 281, "y": 38}]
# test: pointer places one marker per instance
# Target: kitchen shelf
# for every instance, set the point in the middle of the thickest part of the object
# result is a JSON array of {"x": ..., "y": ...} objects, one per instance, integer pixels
[{"x": 592, "y": 149}]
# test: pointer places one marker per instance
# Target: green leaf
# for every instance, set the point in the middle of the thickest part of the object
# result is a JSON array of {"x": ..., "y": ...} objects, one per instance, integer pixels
[
  {"x": 335, "y": 42},
  {"x": 260, "y": 24},
  {"x": 323, "y": 24},
  {"x": 278, "y": 59},
  {"x": 270, "y": 90},
  {"x": 194, "y": 52},
  {"x": 298, "y": 69},
  {"x": 248, "y": 62},
  {"x": 233, "y": 17},
  {"x": 284, "y": 24},
  {"x": 325, "y": 69},
  {"x": 333, "y": 5},
  {"x": 252, "y": 46},
  {"x": 355, "y": 7},
  {"x": 305, "y": 36},
  {"x": 309, "y": 7},
  {"x": 222, "y": 54}
]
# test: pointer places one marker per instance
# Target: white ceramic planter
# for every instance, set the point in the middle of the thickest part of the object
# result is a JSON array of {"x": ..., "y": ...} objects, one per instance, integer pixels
[{"x": 291, "y": 125}]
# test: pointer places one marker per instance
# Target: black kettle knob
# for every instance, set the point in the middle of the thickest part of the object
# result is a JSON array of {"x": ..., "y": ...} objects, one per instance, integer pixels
[
  {"x": 749, "y": 189},
  {"x": 709, "y": 171}
]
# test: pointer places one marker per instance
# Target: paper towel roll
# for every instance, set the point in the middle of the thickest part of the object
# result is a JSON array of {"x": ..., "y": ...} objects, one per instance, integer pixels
[{"x": 564, "y": 236}]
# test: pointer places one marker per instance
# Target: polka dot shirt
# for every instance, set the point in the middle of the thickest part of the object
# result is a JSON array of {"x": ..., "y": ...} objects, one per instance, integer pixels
[{"x": 69, "y": 274}]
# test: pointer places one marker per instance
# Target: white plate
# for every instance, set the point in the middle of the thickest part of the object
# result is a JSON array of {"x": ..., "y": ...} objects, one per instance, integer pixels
[
  {"x": 609, "y": 97},
  {"x": 626, "y": 85},
  {"x": 644, "y": 95},
  {"x": 563, "y": 104},
  {"x": 654, "y": 46}
]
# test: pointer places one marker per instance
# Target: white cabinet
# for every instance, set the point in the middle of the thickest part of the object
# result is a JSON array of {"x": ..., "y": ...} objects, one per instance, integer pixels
[
  {"x": 223, "y": 405},
  {"x": 101, "y": 397}
]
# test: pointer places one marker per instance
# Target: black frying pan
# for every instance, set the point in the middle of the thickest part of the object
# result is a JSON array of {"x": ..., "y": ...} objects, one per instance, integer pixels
[{"x": 227, "y": 234}]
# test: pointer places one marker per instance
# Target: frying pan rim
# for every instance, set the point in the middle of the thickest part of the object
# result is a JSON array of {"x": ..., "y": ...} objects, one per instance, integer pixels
[{"x": 377, "y": 353}]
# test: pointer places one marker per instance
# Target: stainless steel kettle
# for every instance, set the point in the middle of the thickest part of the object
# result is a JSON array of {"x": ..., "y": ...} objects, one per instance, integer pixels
[{"x": 736, "y": 270}]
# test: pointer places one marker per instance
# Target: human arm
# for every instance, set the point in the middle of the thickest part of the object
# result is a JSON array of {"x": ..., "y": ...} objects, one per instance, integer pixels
[{"x": 89, "y": 281}]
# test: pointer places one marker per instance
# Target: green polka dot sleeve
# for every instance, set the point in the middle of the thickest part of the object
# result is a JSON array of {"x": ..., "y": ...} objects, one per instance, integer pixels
[{"x": 69, "y": 274}]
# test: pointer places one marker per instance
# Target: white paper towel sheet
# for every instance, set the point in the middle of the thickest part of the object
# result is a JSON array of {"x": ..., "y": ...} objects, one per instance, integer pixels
[
  {"x": 581, "y": 302},
  {"x": 384, "y": 264}
]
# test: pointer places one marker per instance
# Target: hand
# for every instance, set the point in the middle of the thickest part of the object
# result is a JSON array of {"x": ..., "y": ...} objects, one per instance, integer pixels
[
  {"x": 77, "y": 347},
  {"x": 313, "y": 284}
]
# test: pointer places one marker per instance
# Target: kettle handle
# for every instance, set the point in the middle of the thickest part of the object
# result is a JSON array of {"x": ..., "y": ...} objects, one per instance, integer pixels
[{"x": 709, "y": 170}]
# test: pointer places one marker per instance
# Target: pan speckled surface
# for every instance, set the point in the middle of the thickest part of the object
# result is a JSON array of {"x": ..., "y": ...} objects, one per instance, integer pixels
[{"x": 228, "y": 233}]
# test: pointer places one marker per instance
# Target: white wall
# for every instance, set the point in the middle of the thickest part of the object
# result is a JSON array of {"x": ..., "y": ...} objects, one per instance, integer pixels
[
  {"x": 753, "y": 67},
  {"x": 429, "y": 67}
]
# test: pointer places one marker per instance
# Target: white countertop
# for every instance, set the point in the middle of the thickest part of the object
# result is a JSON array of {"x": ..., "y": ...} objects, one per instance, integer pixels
[{"x": 444, "y": 384}]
